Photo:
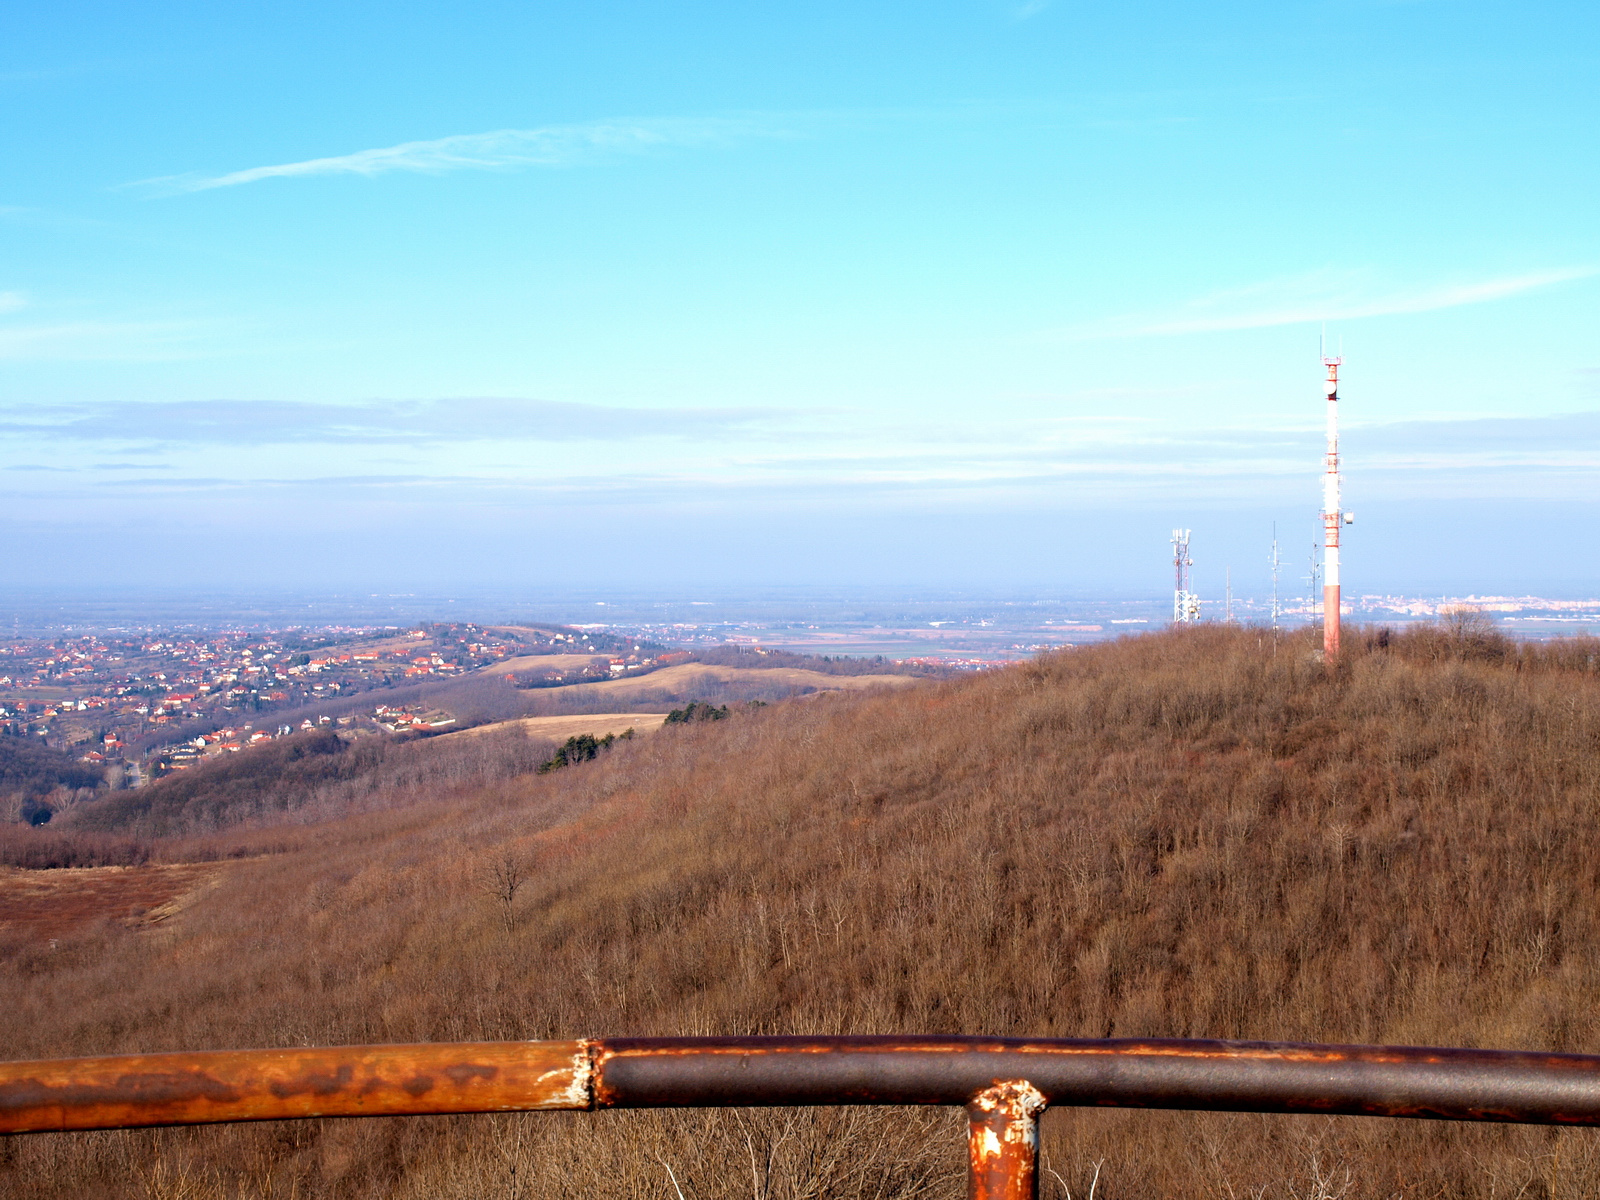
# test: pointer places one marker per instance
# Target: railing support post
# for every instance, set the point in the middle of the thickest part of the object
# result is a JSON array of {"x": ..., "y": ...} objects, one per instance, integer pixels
[{"x": 1003, "y": 1142}]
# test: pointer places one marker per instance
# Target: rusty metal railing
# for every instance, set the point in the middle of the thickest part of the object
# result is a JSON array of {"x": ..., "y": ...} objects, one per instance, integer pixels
[{"x": 1003, "y": 1083}]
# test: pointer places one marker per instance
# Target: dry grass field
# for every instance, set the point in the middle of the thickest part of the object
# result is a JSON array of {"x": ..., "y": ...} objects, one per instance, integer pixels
[
  {"x": 1197, "y": 833},
  {"x": 40, "y": 906},
  {"x": 560, "y": 728}
]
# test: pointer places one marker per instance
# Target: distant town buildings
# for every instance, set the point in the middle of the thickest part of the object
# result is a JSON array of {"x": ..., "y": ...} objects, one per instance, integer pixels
[{"x": 113, "y": 697}]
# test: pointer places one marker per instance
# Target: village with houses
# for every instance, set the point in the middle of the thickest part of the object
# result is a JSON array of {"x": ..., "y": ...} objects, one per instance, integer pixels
[{"x": 137, "y": 703}]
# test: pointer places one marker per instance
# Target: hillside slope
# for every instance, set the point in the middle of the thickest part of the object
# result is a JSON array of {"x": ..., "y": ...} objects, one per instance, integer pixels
[
  {"x": 303, "y": 779},
  {"x": 1201, "y": 833}
]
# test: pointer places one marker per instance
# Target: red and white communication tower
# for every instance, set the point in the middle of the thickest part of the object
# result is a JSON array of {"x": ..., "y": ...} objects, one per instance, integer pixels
[{"x": 1332, "y": 519}]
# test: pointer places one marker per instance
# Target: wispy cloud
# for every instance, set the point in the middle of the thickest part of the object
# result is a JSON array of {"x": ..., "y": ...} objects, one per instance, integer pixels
[
  {"x": 1480, "y": 440},
  {"x": 11, "y": 301},
  {"x": 701, "y": 455},
  {"x": 547, "y": 146},
  {"x": 1317, "y": 296},
  {"x": 398, "y": 423}
]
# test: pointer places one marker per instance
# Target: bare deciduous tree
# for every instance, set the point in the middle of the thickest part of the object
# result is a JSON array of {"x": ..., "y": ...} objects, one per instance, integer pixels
[{"x": 502, "y": 878}]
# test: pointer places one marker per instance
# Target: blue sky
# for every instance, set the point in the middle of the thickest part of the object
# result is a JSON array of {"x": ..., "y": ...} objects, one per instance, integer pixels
[{"x": 946, "y": 294}]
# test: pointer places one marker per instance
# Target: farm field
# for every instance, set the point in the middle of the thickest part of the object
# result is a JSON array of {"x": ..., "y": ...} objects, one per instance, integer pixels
[{"x": 560, "y": 728}]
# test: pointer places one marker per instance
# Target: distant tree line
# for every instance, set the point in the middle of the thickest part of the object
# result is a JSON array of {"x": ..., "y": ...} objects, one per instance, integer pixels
[
  {"x": 585, "y": 674},
  {"x": 759, "y": 657}
]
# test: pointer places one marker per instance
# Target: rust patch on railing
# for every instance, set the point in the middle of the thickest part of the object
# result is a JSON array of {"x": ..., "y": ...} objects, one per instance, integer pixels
[
  {"x": 1003, "y": 1142},
  {"x": 263, "y": 1085}
]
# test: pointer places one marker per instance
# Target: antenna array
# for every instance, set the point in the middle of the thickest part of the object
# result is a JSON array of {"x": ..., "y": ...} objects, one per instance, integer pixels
[{"x": 1185, "y": 604}]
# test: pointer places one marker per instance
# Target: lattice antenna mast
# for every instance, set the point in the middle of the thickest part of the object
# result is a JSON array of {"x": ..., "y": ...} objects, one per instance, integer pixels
[
  {"x": 1185, "y": 604},
  {"x": 1332, "y": 517}
]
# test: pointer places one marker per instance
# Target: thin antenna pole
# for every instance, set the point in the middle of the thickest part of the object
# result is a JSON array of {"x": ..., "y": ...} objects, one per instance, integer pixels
[
  {"x": 1276, "y": 564},
  {"x": 1332, "y": 517},
  {"x": 1229, "y": 609}
]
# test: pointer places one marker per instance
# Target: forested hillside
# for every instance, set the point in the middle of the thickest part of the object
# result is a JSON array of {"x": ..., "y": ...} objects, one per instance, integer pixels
[
  {"x": 30, "y": 773},
  {"x": 1199, "y": 833},
  {"x": 308, "y": 777}
]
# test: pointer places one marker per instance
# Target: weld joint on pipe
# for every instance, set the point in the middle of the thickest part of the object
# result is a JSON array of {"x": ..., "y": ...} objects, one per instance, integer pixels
[{"x": 586, "y": 1073}]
